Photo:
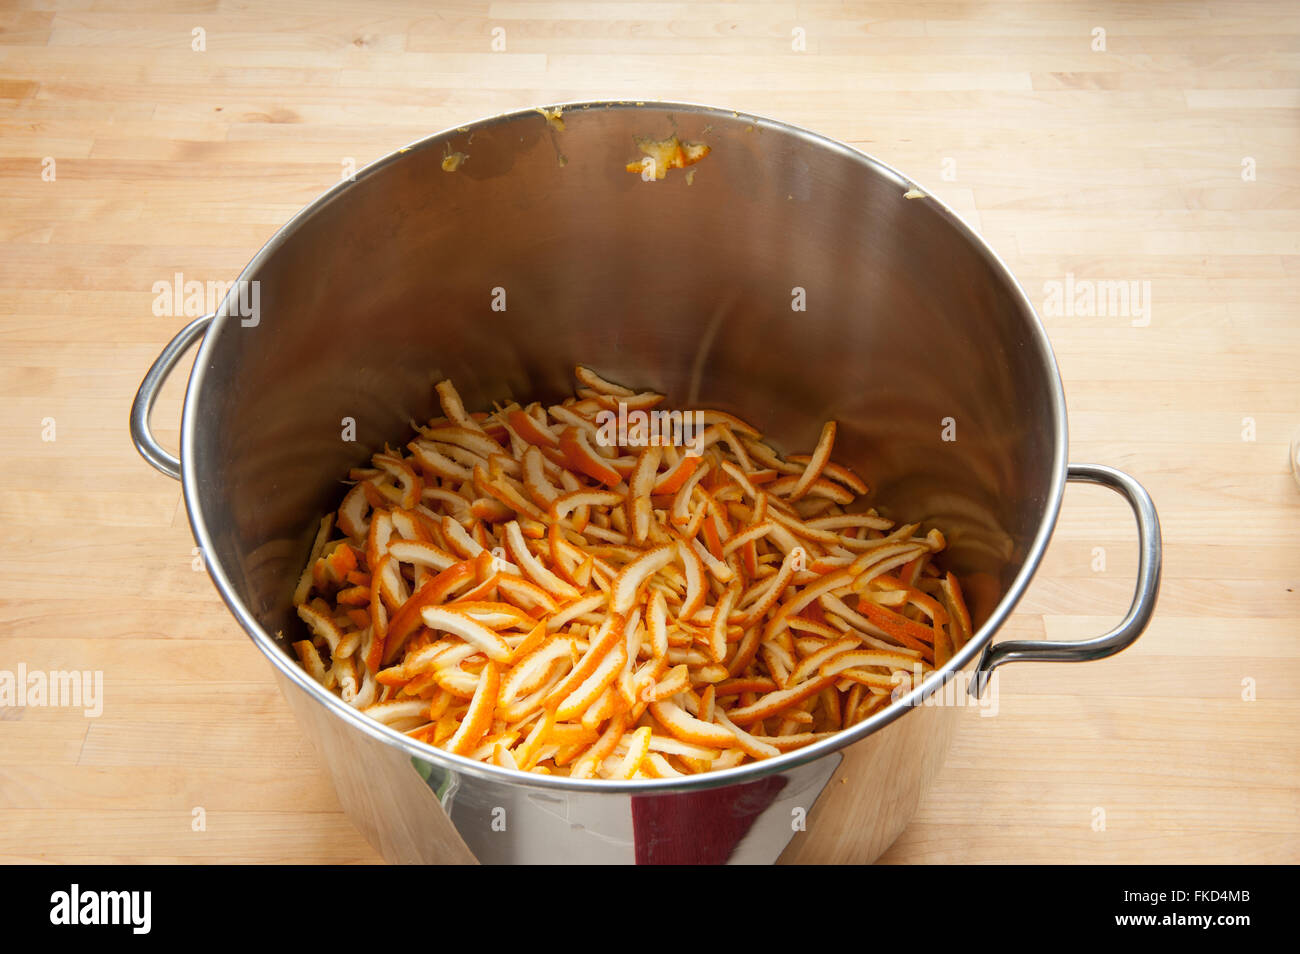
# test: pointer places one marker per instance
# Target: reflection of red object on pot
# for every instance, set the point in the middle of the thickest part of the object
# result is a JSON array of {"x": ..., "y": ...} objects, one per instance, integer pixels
[{"x": 698, "y": 828}]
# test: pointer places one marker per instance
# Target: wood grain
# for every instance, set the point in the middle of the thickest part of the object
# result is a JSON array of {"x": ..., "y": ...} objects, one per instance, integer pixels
[{"x": 1124, "y": 163}]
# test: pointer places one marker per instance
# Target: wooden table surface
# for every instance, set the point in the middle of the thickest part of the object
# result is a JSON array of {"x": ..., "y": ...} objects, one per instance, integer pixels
[{"x": 1149, "y": 143}]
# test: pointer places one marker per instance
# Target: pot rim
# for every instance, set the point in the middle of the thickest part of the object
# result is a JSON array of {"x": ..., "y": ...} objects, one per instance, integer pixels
[{"x": 731, "y": 776}]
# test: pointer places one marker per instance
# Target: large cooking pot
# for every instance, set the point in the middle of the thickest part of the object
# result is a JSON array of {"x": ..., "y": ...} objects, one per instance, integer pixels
[{"x": 790, "y": 280}]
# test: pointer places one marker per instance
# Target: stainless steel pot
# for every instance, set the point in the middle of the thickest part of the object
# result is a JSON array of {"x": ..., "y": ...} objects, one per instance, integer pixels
[{"x": 914, "y": 336}]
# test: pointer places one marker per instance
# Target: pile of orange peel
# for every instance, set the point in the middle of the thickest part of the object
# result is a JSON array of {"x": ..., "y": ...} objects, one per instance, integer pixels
[{"x": 513, "y": 590}]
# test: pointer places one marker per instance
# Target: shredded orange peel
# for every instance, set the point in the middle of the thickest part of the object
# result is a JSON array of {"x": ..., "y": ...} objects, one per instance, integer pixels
[{"x": 514, "y": 591}]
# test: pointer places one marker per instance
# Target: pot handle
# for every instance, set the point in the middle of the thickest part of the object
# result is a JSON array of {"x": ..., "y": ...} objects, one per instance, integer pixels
[
  {"x": 141, "y": 435},
  {"x": 1144, "y": 600}
]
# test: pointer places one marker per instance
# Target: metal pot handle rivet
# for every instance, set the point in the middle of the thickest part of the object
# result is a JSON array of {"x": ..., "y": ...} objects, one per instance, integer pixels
[
  {"x": 141, "y": 435},
  {"x": 1144, "y": 600}
]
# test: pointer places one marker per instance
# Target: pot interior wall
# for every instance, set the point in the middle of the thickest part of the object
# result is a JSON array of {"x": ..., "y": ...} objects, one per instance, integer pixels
[{"x": 686, "y": 285}]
